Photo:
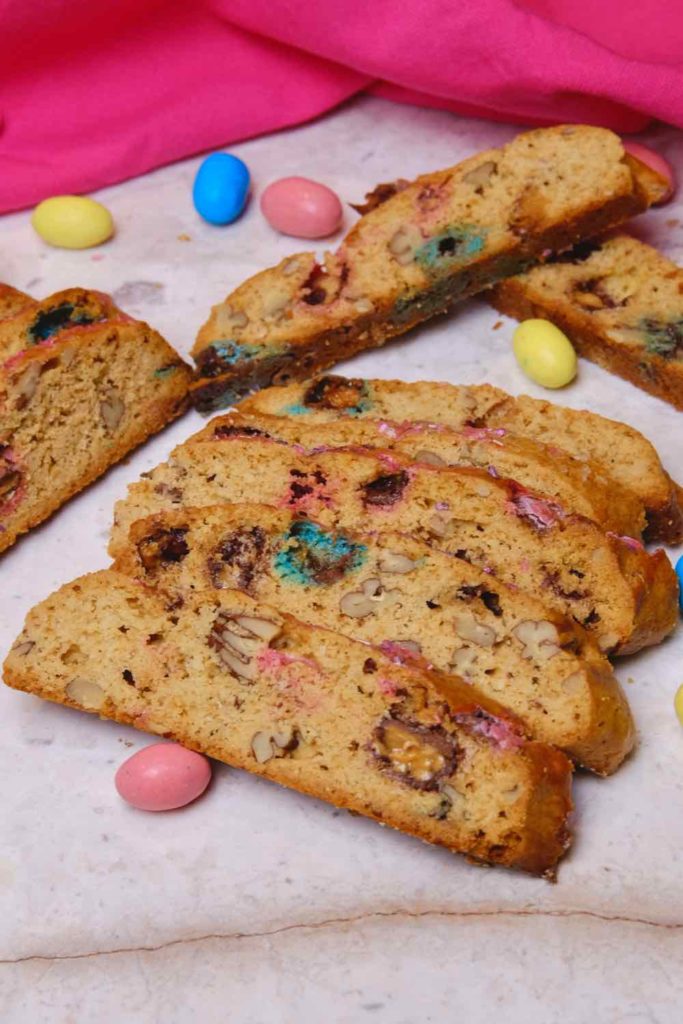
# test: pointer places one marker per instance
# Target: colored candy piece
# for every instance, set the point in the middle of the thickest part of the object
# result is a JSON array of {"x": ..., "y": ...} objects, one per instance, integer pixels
[
  {"x": 162, "y": 777},
  {"x": 72, "y": 222},
  {"x": 679, "y": 573},
  {"x": 301, "y": 207},
  {"x": 221, "y": 188},
  {"x": 656, "y": 162},
  {"x": 544, "y": 353},
  {"x": 678, "y": 703}
]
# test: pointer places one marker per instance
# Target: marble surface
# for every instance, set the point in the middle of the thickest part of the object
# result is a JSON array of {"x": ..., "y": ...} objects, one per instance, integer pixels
[{"x": 257, "y": 905}]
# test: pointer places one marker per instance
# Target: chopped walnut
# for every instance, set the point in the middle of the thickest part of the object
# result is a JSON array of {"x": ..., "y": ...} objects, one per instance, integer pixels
[
  {"x": 238, "y": 638},
  {"x": 540, "y": 640},
  {"x": 360, "y": 603}
]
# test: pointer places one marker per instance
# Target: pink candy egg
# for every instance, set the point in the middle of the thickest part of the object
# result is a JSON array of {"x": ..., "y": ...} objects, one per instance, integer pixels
[
  {"x": 162, "y": 777},
  {"x": 301, "y": 207},
  {"x": 656, "y": 163}
]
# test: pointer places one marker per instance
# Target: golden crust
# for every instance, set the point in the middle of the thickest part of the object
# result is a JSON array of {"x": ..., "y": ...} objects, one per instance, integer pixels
[
  {"x": 496, "y": 211},
  {"x": 528, "y": 782}
]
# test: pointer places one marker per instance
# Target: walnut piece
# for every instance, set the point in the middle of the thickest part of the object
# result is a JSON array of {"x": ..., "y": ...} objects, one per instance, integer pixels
[
  {"x": 463, "y": 660},
  {"x": 266, "y": 745},
  {"x": 112, "y": 410},
  {"x": 393, "y": 561},
  {"x": 468, "y": 627},
  {"x": 372, "y": 596},
  {"x": 540, "y": 640},
  {"x": 403, "y": 243},
  {"x": 238, "y": 638},
  {"x": 86, "y": 693},
  {"x": 479, "y": 177},
  {"x": 23, "y": 648},
  {"x": 430, "y": 458}
]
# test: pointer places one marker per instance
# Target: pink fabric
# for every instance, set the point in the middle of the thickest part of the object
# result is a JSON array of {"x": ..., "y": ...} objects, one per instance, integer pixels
[{"x": 95, "y": 92}]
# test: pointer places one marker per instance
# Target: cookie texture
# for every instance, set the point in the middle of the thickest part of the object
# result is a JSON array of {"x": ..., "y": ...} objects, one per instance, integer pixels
[
  {"x": 418, "y": 604},
  {"x": 81, "y": 385},
  {"x": 624, "y": 596},
  {"x": 618, "y": 450},
  {"x": 248, "y": 684},
  {"x": 621, "y": 304},
  {"x": 418, "y": 248},
  {"x": 577, "y": 484}
]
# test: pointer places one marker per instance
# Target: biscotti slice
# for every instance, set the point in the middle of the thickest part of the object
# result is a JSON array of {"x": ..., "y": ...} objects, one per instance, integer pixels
[
  {"x": 621, "y": 303},
  {"x": 73, "y": 405},
  {"x": 544, "y": 469},
  {"x": 624, "y": 596},
  {"x": 415, "y": 603},
  {"x": 37, "y": 322},
  {"x": 12, "y": 301},
  {"x": 305, "y": 707},
  {"x": 618, "y": 449},
  {"x": 431, "y": 243}
]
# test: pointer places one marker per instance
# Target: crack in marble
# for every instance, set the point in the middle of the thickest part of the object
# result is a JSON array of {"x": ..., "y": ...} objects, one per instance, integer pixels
[{"x": 332, "y": 922}]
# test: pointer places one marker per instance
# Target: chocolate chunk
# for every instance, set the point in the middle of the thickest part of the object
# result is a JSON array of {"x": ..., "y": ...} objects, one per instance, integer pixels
[
  {"x": 162, "y": 547},
  {"x": 224, "y": 430},
  {"x": 385, "y": 490},
  {"x": 488, "y": 598},
  {"x": 333, "y": 392},
  {"x": 379, "y": 195},
  {"x": 369, "y": 666},
  {"x": 417, "y": 755},
  {"x": 243, "y": 551}
]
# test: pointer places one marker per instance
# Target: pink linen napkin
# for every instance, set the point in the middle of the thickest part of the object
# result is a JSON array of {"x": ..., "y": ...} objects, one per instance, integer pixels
[{"x": 94, "y": 93}]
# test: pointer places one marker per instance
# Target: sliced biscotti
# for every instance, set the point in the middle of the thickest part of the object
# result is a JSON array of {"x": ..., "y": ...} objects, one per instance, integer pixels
[
  {"x": 414, "y": 602},
  {"x": 428, "y": 244},
  {"x": 544, "y": 469},
  {"x": 624, "y": 596},
  {"x": 75, "y": 403},
  {"x": 621, "y": 303},
  {"x": 247, "y": 684},
  {"x": 619, "y": 450}
]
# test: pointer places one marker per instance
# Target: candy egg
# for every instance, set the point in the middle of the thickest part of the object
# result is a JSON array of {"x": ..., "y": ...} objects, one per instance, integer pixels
[
  {"x": 656, "y": 163},
  {"x": 162, "y": 777},
  {"x": 544, "y": 353},
  {"x": 679, "y": 573},
  {"x": 221, "y": 188},
  {"x": 72, "y": 222},
  {"x": 678, "y": 703},
  {"x": 301, "y": 207}
]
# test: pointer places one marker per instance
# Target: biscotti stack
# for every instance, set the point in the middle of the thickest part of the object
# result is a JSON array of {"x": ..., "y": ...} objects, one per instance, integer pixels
[
  {"x": 419, "y": 248},
  {"x": 374, "y": 611},
  {"x": 81, "y": 385}
]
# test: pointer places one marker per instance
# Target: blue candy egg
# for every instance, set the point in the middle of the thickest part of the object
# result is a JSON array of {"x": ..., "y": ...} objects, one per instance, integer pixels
[
  {"x": 221, "y": 187},
  {"x": 679, "y": 573}
]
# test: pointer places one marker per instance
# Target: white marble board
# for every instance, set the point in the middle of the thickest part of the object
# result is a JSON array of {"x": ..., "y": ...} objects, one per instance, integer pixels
[{"x": 257, "y": 905}]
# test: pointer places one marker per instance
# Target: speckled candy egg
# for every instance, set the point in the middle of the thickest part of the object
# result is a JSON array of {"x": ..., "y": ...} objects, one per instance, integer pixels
[
  {"x": 544, "y": 353},
  {"x": 72, "y": 222},
  {"x": 221, "y": 188},
  {"x": 655, "y": 162},
  {"x": 302, "y": 208},
  {"x": 162, "y": 777}
]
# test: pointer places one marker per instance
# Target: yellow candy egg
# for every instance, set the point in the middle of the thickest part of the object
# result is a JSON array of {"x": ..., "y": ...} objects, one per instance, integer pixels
[
  {"x": 678, "y": 703},
  {"x": 544, "y": 353},
  {"x": 72, "y": 222}
]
